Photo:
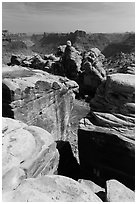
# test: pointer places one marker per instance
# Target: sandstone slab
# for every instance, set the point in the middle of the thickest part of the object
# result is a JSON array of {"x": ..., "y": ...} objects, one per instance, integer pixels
[
  {"x": 38, "y": 98},
  {"x": 50, "y": 189}
]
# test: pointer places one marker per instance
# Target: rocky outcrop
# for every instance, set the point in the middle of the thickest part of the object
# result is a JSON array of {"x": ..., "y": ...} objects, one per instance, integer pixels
[
  {"x": 116, "y": 95},
  {"x": 120, "y": 63},
  {"x": 30, "y": 160},
  {"x": 34, "y": 61},
  {"x": 51, "y": 188},
  {"x": 38, "y": 98},
  {"x": 117, "y": 192},
  {"x": 27, "y": 152},
  {"x": 107, "y": 134},
  {"x": 93, "y": 72},
  {"x": 71, "y": 62}
]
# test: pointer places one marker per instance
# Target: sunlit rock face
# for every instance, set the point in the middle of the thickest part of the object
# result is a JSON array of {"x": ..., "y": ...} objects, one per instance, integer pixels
[
  {"x": 93, "y": 70},
  {"x": 107, "y": 134},
  {"x": 38, "y": 98},
  {"x": 50, "y": 188},
  {"x": 117, "y": 192},
  {"x": 27, "y": 152}
]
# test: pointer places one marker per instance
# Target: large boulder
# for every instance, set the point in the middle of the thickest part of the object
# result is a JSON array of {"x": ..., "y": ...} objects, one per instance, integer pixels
[
  {"x": 51, "y": 188},
  {"x": 71, "y": 60},
  {"x": 93, "y": 71},
  {"x": 116, "y": 95},
  {"x": 27, "y": 151},
  {"x": 38, "y": 98}
]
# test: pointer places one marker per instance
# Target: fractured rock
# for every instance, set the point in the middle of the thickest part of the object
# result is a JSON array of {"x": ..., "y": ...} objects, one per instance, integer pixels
[
  {"x": 109, "y": 153},
  {"x": 107, "y": 133},
  {"x": 38, "y": 98}
]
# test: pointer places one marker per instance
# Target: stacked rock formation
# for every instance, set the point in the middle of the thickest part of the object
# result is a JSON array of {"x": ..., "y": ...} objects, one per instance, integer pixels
[
  {"x": 107, "y": 134},
  {"x": 38, "y": 98},
  {"x": 93, "y": 71},
  {"x": 71, "y": 61}
]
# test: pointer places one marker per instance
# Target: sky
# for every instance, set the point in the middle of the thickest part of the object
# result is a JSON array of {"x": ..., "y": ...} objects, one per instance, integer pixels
[{"x": 94, "y": 17}]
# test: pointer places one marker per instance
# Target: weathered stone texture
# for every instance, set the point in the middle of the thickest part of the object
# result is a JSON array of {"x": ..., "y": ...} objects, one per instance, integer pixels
[
  {"x": 107, "y": 134},
  {"x": 116, "y": 95},
  {"x": 51, "y": 188},
  {"x": 27, "y": 152},
  {"x": 38, "y": 98}
]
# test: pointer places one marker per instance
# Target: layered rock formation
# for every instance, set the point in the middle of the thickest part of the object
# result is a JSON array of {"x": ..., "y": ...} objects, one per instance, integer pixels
[
  {"x": 107, "y": 134},
  {"x": 38, "y": 98}
]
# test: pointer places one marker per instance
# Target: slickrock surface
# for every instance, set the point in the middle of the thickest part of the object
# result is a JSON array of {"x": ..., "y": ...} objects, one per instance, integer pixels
[
  {"x": 107, "y": 134},
  {"x": 117, "y": 192},
  {"x": 51, "y": 188},
  {"x": 27, "y": 151},
  {"x": 38, "y": 98}
]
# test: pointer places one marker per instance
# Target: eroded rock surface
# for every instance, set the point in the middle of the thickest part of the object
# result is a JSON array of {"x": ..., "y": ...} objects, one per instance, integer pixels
[
  {"x": 38, "y": 98},
  {"x": 27, "y": 151},
  {"x": 107, "y": 134},
  {"x": 51, "y": 188}
]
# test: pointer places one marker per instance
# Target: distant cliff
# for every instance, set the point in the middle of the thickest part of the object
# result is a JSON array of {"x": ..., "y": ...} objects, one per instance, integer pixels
[
  {"x": 109, "y": 44},
  {"x": 47, "y": 43}
]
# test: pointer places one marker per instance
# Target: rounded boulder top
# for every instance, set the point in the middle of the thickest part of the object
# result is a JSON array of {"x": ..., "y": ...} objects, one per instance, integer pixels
[{"x": 51, "y": 188}]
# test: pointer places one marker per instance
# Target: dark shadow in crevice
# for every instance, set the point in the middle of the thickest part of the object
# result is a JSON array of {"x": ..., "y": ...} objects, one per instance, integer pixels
[
  {"x": 68, "y": 165},
  {"x": 6, "y": 101}
]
